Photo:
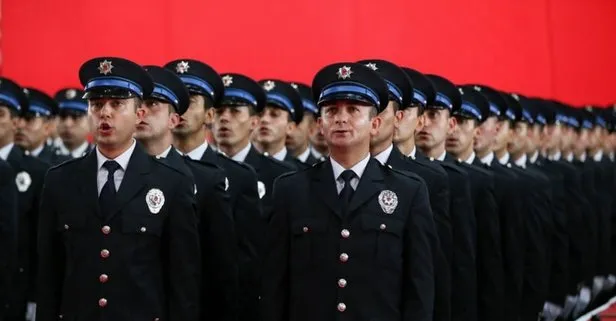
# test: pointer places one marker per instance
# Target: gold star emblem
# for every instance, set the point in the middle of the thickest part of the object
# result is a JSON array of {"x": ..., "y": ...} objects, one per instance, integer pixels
[
  {"x": 182, "y": 67},
  {"x": 104, "y": 67},
  {"x": 344, "y": 72},
  {"x": 227, "y": 80},
  {"x": 269, "y": 85}
]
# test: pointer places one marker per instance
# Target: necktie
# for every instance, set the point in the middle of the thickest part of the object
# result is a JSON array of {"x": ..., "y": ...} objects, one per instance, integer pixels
[
  {"x": 106, "y": 199},
  {"x": 347, "y": 190}
]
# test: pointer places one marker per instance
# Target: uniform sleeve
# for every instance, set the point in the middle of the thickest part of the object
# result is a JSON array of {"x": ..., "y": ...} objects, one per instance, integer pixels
[
  {"x": 8, "y": 228},
  {"x": 420, "y": 247},
  {"x": 219, "y": 248},
  {"x": 275, "y": 279},
  {"x": 51, "y": 256},
  {"x": 184, "y": 255}
]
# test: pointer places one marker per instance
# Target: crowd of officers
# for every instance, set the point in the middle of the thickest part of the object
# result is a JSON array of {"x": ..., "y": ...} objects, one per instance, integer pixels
[{"x": 376, "y": 193}]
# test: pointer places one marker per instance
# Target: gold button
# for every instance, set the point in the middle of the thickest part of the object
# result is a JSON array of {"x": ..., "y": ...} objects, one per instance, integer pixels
[
  {"x": 143, "y": 229},
  {"x": 341, "y": 307},
  {"x": 345, "y": 233},
  {"x": 342, "y": 283},
  {"x": 344, "y": 257},
  {"x": 106, "y": 229},
  {"x": 383, "y": 227},
  {"x": 66, "y": 227},
  {"x": 305, "y": 229},
  {"x": 103, "y": 278},
  {"x": 105, "y": 253},
  {"x": 102, "y": 302}
]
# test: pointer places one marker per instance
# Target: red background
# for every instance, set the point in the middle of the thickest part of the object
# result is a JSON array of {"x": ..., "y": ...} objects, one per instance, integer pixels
[{"x": 553, "y": 48}]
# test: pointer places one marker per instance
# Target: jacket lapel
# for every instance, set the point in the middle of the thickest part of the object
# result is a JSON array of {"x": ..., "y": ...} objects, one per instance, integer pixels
[
  {"x": 88, "y": 184},
  {"x": 371, "y": 182},
  {"x": 253, "y": 158},
  {"x": 395, "y": 158},
  {"x": 209, "y": 156},
  {"x": 14, "y": 158},
  {"x": 133, "y": 182},
  {"x": 325, "y": 185}
]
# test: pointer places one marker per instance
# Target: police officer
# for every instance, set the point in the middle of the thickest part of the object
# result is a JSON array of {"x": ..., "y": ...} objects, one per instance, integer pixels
[
  {"x": 73, "y": 126},
  {"x": 118, "y": 235},
  {"x": 400, "y": 89},
  {"x": 29, "y": 173},
  {"x": 8, "y": 233},
  {"x": 349, "y": 238},
  {"x": 412, "y": 118},
  {"x": 431, "y": 141},
  {"x": 35, "y": 125},
  {"x": 158, "y": 114},
  {"x": 298, "y": 139},
  {"x": 472, "y": 111},
  {"x": 206, "y": 89},
  {"x": 282, "y": 114}
]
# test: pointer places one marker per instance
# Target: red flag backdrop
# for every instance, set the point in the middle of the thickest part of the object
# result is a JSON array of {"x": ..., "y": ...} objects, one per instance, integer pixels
[{"x": 554, "y": 48}]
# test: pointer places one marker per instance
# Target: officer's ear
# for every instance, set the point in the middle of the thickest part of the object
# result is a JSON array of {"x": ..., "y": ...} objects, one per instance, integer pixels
[
  {"x": 375, "y": 122},
  {"x": 174, "y": 118},
  {"x": 451, "y": 124}
]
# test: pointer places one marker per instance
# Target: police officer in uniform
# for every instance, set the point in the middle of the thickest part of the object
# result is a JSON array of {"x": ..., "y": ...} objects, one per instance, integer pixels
[
  {"x": 472, "y": 111},
  {"x": 206, "y": 89},
  {"x": 400, "y": 89},
  {"x": 349, "y": 238},
  {"x": 118, "y": 234},
  {"x": 158, "y": 114},
  {"x": 8, "y": 232},
  {"x": 73, "y": 126},
  {"x": 29, "y": 175},
  {"x": 34, "y": 126},
  {"x": 431, "y": 140},
  {"x": 282, "y": 114},
  {"x": 298, "y": 140}
]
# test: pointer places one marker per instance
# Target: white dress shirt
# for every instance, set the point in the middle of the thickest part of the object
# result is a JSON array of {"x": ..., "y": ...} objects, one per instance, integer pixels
[
  {"x": 37, "y": 151},
  {"x": 315, "y": 153},
  {"x": 164, "y": 153},
  {"x": 598, "y": 156},
  {"x": 383, "y": 156},
  {"x": 470, "y": 159},
  {"x": 6, "y": 150},
  {"x": 281, "y": 154},
  {"x": 534, "y": 158},
  {"x": 569, "y": 157},
  {"x": 198, "y": 152},
  {"x": 413, "y": 153},
  {"x": 79, "y": 151},
  {"x": 122, "y": 160},
  {"x": 583, "y": 157},
  {"x": 303, "y": 157},
  {"x": 442, "y": 157},
  {"x": 357, "y": 168},
  {"x": 504, "y": 160},
  {"x": 488, "y": 159},
  {"x": 555, "y": 157},
  {"x": 241, "y": 155},
  {"x": 521, "y": 161}
]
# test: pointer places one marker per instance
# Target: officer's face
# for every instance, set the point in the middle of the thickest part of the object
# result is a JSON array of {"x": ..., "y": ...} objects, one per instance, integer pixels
[
  {"x": 437, "y": 125},
  {"x": 233, "y": 125},
  {"x": 73, "y": 129},
  {"x": 156, "y": 119},
  {"x": 32, "y": 131},
  {"x": 389, "y": 118},
  {"x": 298, "y": 137},
  {"x": 113, "y": 120},
  {"x": 317, "y": 139},
  {"x": 612, "y": 139},
  {"x": 485, "y": 135},
  {"x": 346, "y": 124},
  {"x": 519, "y": 141},
  {"x": 7, "y": 124},
  {"x": 460, "y": 140},
  {"x": 551, "y": 136},
  {"x": 405, "y": 127},
  {"x": 503, "y": 135},
  {"x": 580, "y": 144},
  {"x": 194, "y": 119},
  {"x": 534, "y": 138},
  {"x": 274, "y": 126}
]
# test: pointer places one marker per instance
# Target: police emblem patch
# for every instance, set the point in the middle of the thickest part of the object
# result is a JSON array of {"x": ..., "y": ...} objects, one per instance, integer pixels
[
  {"x": 388, "y": 201},
  {"x": 261, "y": 189},
  {"x": 227, "y": 80},
  {"x": 155, "y": 199},
  {"x": 269, "y": 85},
  {"x": 344, "y": 72},
  {"x": 182, "y": 67},
  {"x": 71, "y": 93},
  {"x": 294, "y": 85},
  {"x": 104, "y": 67},
  {"x": 23, "y": 181}
]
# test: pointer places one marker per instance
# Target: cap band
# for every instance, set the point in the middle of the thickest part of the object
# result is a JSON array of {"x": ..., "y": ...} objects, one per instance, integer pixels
[
  {"x": 541, "y": 120},
  {"x": 559, "y": 118},
  {"x": 494, "y": 109},
  {"x": 526, "y": 115},
  {"x": 510, "y": 114},
  {"x": 352, "y": 89},
  {"x": 472, "y": 109},
  {"x": 11, "y": 100},
  {"x": 167, "y": 93},
  {"x": 600, "y": 121},
  {"x": 587, "y": 124},
  {"x": 240, "y": 94},
  {"x": 115, "y": 82},
  {"x": 394, "y": 90},
  {"x": 574, "y": 122},
  {"x": 419, "y": 97},
  {"x": 198, "y": 82},
  {"x": 278, "y": 99},
  {"x": 443, "y": 100},
  {"x": 39, "y": 110},
  {"x": 73, "y": 105},
  {"x": 310, "y": 106}
]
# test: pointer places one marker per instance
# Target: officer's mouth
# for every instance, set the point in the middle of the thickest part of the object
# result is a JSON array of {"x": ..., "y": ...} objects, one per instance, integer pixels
[
  {"x": 224, "y": 131},
  {"x": 104, "y": 129},
  {"x": 142, "y": 125}
]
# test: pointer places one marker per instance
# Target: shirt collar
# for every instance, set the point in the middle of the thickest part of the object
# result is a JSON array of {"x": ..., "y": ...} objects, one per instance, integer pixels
[
  {"x": 165, "y": 153},
  {"x": 122, "y": 159},
  {"x": 37, "y": 151},
  {"x": 470, "y": 159},
  {"x": 6, "y": 150},
  {"x": 569, "y": 157},
  {"x": 521, "y": 161},
  {"x": 197, "y": 153},
  {"x": 357, "y": 168},
  {"x": 281, "y": 154},
  {"x": 383, "y": 156},
  {"x": 583, "y": 157},
  {"x": 315, "y": 153},
  {"x": 241, "y": 155},
  {"x": 555, "y": 157},
  {"x": 79, "y": 151},
  {"x": 442, "y": 157},
  {"x": 504, "y": 160},
  {"x": 612, "y": 156},
  {"x": 598, "y": 156},
  {"x": 303, "y": 157},
  {"x": 534, "y": 157},
  {"x": 488, "y": 159},
  {"x": 413, "y": 153}
]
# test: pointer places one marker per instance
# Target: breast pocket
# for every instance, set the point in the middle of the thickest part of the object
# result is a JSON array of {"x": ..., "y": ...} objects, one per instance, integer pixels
[
  {"x": 388, "y": 234},
  {"x": 306, "y": 232}
]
